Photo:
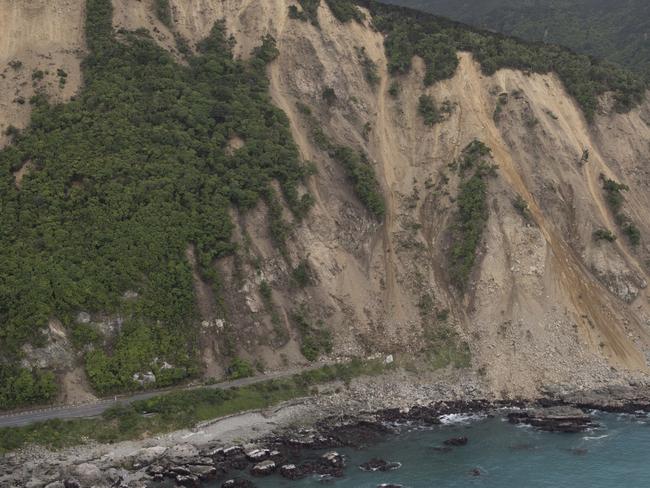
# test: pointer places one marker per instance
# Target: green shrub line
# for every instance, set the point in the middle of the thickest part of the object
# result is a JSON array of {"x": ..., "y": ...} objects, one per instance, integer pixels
[
  {"x": 178, "y": 410},
  {"x": 472, "y": 214},
  {"x": 614, "y": 198},
  {"x": 163, "y": 12},
  {"x": 124, "y": 178}
]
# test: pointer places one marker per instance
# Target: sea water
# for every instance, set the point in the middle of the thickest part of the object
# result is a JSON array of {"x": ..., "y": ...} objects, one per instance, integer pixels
[{"x": 614, "y": 455}]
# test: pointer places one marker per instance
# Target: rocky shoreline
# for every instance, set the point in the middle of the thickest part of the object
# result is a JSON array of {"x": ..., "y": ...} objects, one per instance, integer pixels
[{"x": 295, "y": 450}]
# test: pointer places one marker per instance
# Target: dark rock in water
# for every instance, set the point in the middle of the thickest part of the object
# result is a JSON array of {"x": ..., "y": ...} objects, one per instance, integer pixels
[
  {"x": 379, "y": 465},
  {"x": 189, "y": 481},
  {"x": 334, "y": 459},
  {"x": 456, "y": 441},
  {"x": 328, "y": 466},
  {"x": 264, "y": 468},
  {"x": 442, "y": 449},
  {"x": 523, "y": 447},
  {"x": 580, "y": 451},
  {"x": 238, "y": 483},
  {"x": 554, "y": 419},
  {"x": 476, "y": 472},
  {"x": 291, "y": 472}
]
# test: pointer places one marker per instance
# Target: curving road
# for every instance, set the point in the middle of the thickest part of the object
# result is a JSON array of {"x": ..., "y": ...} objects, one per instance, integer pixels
[{"x": 22, "y": 418}]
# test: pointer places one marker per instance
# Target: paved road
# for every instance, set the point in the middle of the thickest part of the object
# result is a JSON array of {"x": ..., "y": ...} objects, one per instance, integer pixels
[{"x": 18, "y": 419}]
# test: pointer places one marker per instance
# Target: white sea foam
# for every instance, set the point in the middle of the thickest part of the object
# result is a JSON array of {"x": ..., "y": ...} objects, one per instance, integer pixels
[
  {"x": 460, "y": 418},
  {"x": 595, "y": 438}
]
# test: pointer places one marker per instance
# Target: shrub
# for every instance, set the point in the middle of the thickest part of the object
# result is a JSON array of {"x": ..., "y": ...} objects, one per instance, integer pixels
[
  {"x": 239, "y": 368},
  {"x": 314, "y": 340},
  {"x": 345, "y": 10},
  {"x": 470, "y": 219},
  {"x": 329, "y": 95},
  {"x": 369, "y": 66},
  {"x": 604, "y": 235},
  {"x": 394, "y": 89},
  {"x": 521, "y": 206},
  {"x": 302, "y": 275},
  {"x": 163, "y": 12},
  {"x": 309, "y": 11},
  {"x": 428, "y": 110}
]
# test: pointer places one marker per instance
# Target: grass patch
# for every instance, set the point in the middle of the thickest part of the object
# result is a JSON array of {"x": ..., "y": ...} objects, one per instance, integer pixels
[{"x": 179, "y": 410}]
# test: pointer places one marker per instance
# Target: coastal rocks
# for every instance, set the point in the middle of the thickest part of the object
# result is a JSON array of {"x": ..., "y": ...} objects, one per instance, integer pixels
[
  {"x": 553, "y": 419},
  {"x": 456, "y": 441},
  {"x": 379, "y": 465}
]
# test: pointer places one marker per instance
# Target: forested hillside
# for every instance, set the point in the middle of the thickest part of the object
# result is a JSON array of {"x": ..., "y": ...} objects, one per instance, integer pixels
[{"x": 613, "y": 30}]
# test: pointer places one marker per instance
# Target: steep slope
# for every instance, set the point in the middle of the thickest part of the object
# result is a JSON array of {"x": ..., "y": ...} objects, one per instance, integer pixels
[
  {"x": 544, "y": 303},
  {"x": 537, "y": 312}
]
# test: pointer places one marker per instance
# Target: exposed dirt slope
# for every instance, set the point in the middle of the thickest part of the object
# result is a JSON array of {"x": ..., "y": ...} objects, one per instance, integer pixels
[{"x": 37, "y": 35}]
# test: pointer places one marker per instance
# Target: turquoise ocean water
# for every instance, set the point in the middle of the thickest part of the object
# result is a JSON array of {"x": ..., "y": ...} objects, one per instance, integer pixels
[{"x": 615, "y": 455}]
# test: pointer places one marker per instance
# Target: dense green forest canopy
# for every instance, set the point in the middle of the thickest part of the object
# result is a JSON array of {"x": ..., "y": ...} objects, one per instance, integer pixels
[
  {"x": 613, "y": 30},
  {"x": 123, "y": 179}
]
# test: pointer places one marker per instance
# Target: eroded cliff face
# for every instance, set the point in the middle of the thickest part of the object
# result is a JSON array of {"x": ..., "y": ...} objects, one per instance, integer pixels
[{"x": 545, "y": 304}]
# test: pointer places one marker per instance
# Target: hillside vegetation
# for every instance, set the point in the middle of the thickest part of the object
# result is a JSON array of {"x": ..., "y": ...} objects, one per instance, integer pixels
[
  {"x": 612, "y": 30},
  {"x": 124, "y": 178}
]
